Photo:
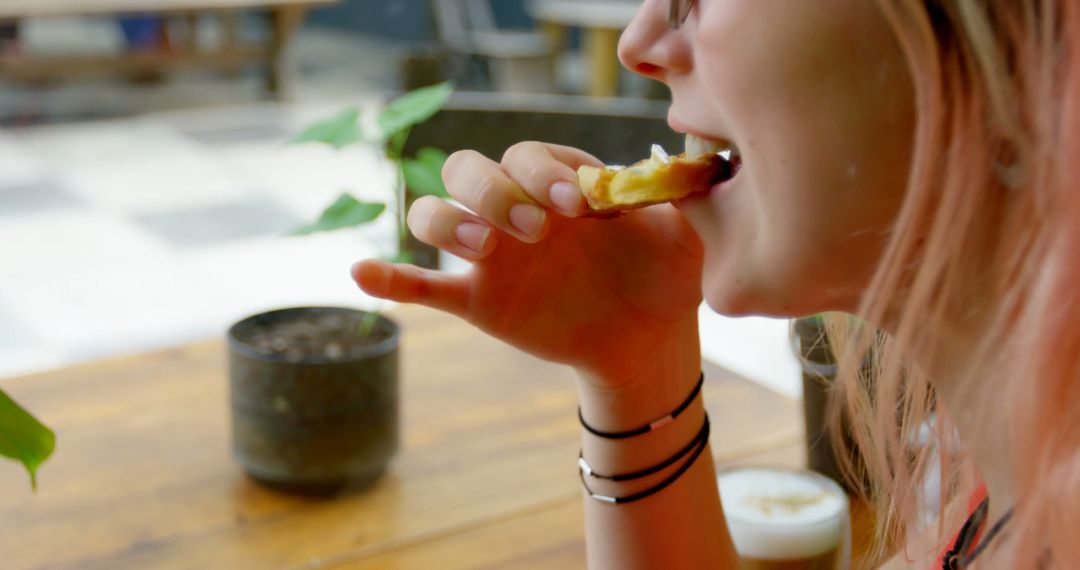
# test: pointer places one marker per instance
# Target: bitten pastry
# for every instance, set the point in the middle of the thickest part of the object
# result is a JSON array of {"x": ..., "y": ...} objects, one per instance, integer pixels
[{"x": 658, "y": 179}]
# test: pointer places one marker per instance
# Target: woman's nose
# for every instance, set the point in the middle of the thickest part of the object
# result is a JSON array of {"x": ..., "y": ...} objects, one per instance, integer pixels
[{"x": 649, "y": 47}]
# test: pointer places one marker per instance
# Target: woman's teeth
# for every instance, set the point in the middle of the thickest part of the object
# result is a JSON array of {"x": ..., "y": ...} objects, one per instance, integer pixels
[{"x": 697, "y": 146}]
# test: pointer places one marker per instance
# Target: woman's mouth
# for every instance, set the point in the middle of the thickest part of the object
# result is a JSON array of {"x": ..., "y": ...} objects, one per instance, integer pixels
[{"x": 728, "y": 152}]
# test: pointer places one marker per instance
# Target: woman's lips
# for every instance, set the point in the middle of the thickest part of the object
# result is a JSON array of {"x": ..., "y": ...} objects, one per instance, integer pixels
[{"x": 724, "y": 185}]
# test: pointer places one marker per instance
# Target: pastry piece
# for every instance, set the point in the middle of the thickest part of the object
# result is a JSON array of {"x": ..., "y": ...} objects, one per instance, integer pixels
[{"x": 661, "y": 178}]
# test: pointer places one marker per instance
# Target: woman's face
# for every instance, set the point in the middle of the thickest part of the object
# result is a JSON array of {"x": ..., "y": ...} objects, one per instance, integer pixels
[{"x": 817, "y": 98}]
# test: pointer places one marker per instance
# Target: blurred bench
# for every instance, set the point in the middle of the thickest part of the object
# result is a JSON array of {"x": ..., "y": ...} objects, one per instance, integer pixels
[
  {"x": 284, "y": 15},
  {"x": 601, "y": 23},
  {"x": 519, "y": 61},
  {"x": 617, "y": 131}
]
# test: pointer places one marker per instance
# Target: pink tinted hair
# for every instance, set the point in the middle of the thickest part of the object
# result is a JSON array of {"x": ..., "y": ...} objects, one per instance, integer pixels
[{"x": 989, "y": 232}]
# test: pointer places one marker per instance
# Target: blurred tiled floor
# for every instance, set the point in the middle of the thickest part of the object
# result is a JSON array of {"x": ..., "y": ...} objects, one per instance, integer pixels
[
  {"x": 114, "y": 243},
  {"x": 135, "y": 216}
]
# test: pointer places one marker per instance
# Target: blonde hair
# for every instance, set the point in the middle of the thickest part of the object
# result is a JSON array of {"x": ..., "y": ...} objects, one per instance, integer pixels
[{"x": 989, "y": 232}]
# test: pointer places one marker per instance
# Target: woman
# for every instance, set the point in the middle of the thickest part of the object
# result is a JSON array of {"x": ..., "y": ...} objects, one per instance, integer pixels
[{"x": 913, "y": 162}]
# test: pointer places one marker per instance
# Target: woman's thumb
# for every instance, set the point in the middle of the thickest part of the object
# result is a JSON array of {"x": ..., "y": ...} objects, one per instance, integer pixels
[{"x": 411, "y": 284}]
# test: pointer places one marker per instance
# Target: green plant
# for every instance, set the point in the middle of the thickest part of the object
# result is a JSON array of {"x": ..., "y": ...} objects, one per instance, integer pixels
[
  {"x": 421, "y": 174},
  {"x": 23, "y": 438}
]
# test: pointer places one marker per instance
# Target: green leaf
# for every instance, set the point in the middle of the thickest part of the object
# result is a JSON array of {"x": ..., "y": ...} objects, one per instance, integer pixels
[
  {"x": 23, "y": 438},
  {"x": 345, "y": 212},
  {"x": 396, "y": 144},
  {"x": 433, "y": 158},
  {"x": 338, "y": 131},
  {"x": 421, "y": 180},
  {"x": 414, "y": 107},
  {"x": 366, "y": 324},
  {"x": 423, "y": 175}
]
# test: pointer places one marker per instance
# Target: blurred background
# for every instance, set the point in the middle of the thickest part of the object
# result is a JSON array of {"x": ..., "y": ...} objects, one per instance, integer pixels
[{"x": 146, "y": 182}]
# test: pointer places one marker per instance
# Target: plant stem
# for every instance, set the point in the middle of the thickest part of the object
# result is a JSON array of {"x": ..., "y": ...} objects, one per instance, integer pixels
[
  {"x": 394, "y": 149},
  {"x": 366, "y": 324}
]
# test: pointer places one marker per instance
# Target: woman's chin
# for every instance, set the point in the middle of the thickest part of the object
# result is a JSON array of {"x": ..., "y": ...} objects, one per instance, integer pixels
[
  {"x": 735, "y": 293},
  {"x": 727, "y": 297}
]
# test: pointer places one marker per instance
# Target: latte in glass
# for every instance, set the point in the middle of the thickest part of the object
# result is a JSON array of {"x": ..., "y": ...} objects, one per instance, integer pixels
[{"x": 785, "y": 519}]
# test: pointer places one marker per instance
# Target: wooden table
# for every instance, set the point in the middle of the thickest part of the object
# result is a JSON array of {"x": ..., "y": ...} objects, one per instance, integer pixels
[
  {"x": 143, "y": 478},
  {"x": 285, "y": 16},
  {"x": 601, "y": 21}
]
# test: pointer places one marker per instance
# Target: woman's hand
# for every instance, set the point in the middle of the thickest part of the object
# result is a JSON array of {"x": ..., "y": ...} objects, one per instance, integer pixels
[{"x": 597, "y": 294}]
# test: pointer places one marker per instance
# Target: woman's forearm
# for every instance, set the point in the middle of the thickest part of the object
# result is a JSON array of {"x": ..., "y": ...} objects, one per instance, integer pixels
[{"x": 682, "y": 526}]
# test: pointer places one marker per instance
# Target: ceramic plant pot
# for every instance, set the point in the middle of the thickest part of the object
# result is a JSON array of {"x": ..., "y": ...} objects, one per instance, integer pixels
[{"x": 314, "y": 397}]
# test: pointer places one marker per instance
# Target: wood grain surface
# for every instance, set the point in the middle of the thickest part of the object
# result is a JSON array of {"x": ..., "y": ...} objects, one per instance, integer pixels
[{"x": 143, "y": 477}]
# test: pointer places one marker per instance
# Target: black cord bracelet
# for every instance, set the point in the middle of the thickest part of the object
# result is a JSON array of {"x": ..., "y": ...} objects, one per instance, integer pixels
[
  {"x": 703, "y": 433},
  {"x": 703, "y": 444},
  {"x": 650, "y": 427}
]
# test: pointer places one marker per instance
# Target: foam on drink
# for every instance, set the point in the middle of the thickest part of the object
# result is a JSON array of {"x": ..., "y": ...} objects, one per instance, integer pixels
[{"x": 774, "y": 514}]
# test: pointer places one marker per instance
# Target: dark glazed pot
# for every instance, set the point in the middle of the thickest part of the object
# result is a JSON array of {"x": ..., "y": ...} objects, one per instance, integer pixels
[
  {"x": 819, "y": 369},
  {"x": 314, "y": 403},
  {"x": 818, "y": 373}
]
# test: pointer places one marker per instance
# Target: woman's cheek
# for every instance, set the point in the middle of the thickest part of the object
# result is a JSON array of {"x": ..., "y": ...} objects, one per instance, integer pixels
[{"x": 760, "y": 254}]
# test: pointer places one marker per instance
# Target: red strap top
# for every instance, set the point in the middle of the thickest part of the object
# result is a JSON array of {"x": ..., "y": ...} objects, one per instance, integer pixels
[{"x": 976, "y": 499}]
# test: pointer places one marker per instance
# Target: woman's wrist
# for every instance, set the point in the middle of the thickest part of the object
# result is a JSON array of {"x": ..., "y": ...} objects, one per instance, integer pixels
[
  {"x": 647, "y": 384},
  {"x": 658, "y": 386}
]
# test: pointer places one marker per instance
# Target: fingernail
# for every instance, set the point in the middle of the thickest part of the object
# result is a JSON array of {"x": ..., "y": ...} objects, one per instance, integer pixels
[
  {"x": 566, "y": 197},
  {"x": 472, "y": 236},
  {"x": 528, "y": 219}
]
